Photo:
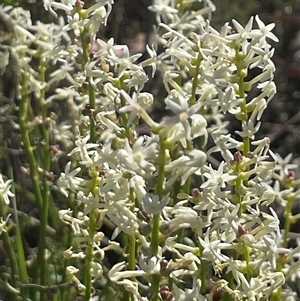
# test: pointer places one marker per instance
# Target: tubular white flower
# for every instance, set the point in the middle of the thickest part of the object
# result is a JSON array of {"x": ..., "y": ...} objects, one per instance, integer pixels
[{"x": 4, "y": 190}]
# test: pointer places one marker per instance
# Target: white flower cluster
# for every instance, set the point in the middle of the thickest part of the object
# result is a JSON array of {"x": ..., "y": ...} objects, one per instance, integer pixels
[{"x": 186, "y": 220}]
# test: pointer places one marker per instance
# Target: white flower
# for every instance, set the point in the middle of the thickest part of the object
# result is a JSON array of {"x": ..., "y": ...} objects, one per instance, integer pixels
[
  {"x": 125, "y": 62},
  {"x": 135, "y": 109},
  {"x": 184, "y": 217},
  {"x": 116, "y": 274},
  {"x": 136, "y": 158},
  {"x": 185, "y": 166},
  {"x": 78, "y": 224},
  {"x": 98, "y": 16},
  {"x": 90, "y": 202},
  {"x": 62, "y": 73},
  {"x": 180, "y": 107},
  {"x": 228, "y": 101},
  {"x": 48, "y": 4},
  {"x": 175, "y": 52},
  {"x": 137, "y": 80},
  {"x": 163, "y": 9},
  {"x": 188, "y": 294},
  {"x": 152, "y": 61},
  {"x": 138, "y": 184},
  {"x": 124, "y": 219},
  {"x": 67, "y": 180},
  {"x": 249, "y": 129},
  {"x": 4, "y": 190},
  {"x": 244, "y": 33},
  {"x": 3, "y": 223},
  {"x": 265, "y": 54},
  {"x": 153, "y": 204},
  {"x": 284, "y": 165},
  {"x": 75, "y": 24},
  {"x": 82, "y": 147},
  {"x": 107, "y": 48},
  {"x": 217, "y": 179},
  {"x": 266, "y": 30},
  {"x": 150, "y": 265}
]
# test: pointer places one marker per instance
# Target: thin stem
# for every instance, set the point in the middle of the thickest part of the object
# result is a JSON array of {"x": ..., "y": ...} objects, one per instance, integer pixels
[
  {"x": 23, "y": 118},
  {"x": 131, "y": 257},
  {"x": 159, "y": 190},
  {"x": 241, "y": 76},
  {"x": 24, "y": 104},
  {"x": 23, "y": 275},
  {"x": 287, "y": 221},
  {"x": 42, "y": 263},
  {"x": 192, "y": 99},
  {"x": 92, "y": 102},
  {"x": 8, "y": 247},
  {"x": 65, "y": 293},
  {"x": 89, "y": 256}
]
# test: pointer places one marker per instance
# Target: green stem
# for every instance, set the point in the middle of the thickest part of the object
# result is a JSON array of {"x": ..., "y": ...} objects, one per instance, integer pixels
[
  {"x": 23, "y": 119},
  {"x": 124, "y": 117},
  {"x": 288, "y": 221},
  {"x": 159, "y": 190},
  {"x": 131, "y": 257},
  {"x": 92, "y": 101},
  {"x": 89, "y": 256},
  {"x": 23, "y": 275},
  {"x": 91, "y": 91},
  {"x": 203, "y": 269},
  {"x": 45, "y": 149},
  {"x": 192, "y": 99},
  {"x": 8, "y": 247},
  {"x": 65, "y": 294},
  {"x": 241, "y": 76},
  {"x": 23, "y": 109}
]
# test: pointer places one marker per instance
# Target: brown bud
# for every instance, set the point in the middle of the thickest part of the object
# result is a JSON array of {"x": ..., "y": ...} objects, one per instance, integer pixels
[
  {"x": 88, "y": 111},
  {"x": 196, "y": 193},
  {"x": 291, "y": 175},
  {"x": 238, "y": 157},
  {"x": 79, "y": 4},
  {"x": 53, "y": 149},
  {"x": 147, "y": 216},
  {"x": 49, "y": 176},
  {"x": 164, "y": 263},
  {"x": 242, "y": 230}
]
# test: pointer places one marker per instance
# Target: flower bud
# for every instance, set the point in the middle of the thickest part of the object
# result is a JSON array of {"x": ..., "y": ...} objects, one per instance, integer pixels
[
  {"x": 164, "y": 263},
  {"x": 164, "y": 228},
  {"x": 238, "y": 157},
  {"x": 145, "y": 229}
]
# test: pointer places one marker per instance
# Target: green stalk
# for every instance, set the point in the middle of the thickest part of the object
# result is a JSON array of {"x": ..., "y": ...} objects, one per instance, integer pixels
[
  {"x": 159, "y": 190},
  {"x": 92, "y": 101},
  {"x": 246, "y": 141},
  {"x": 241, "y": 75},
  {"x": 23, "y": 275},
  {"x": 65, "y": 293},
  {"x": 42, "y": 263},
  {"x": 288, "y": 220},
  {"x": 8, "y": 247},
  {"x": 93, "y": 215},
  {"x": 131, "y": 257},
  {"x": 203, "y": 269},
  {"x": 192, "y": 99},
  {"x": 23, "y": 109},
  {"x": 23, "y": 118},
  {"x": 91, "y": 91},
  {"x": 89, "y": 256}
]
